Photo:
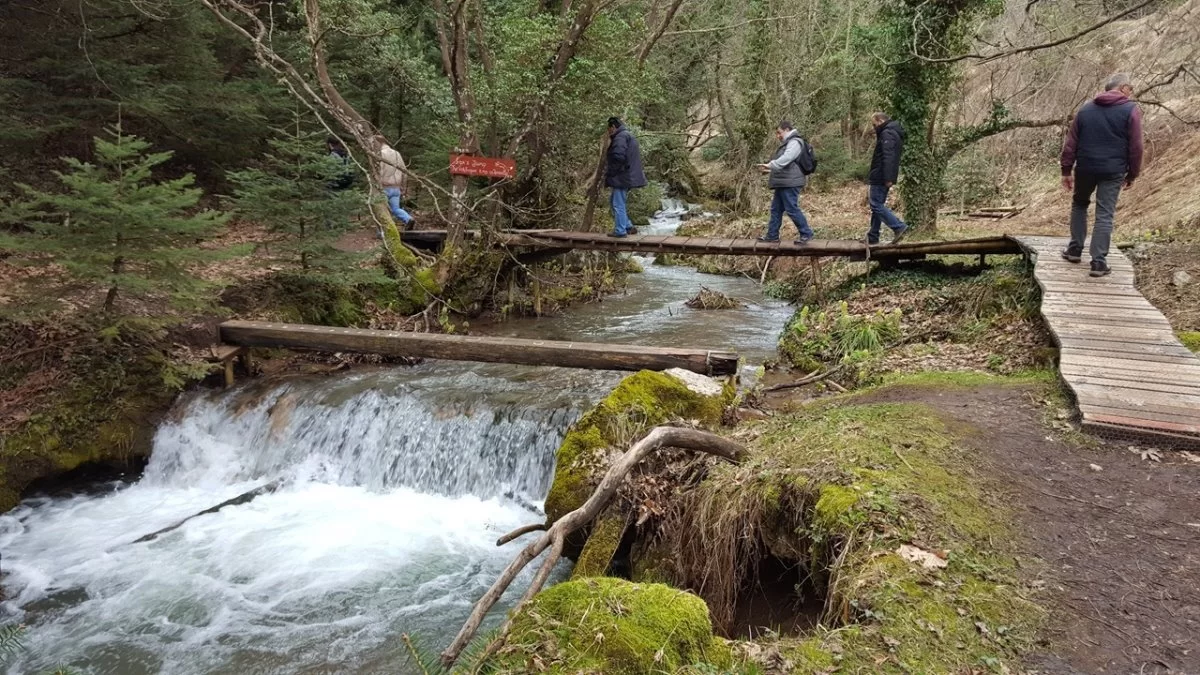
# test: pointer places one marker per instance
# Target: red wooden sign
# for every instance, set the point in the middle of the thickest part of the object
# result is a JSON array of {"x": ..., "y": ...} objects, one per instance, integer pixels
[{"x": 492, "y": 167}]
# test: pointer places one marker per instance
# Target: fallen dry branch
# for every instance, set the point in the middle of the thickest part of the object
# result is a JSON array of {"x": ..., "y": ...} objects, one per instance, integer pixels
[{"x": 555, "y": 536}]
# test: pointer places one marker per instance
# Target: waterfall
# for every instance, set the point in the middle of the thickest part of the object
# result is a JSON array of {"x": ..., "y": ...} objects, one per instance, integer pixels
[{"x": 392, "y": 499}]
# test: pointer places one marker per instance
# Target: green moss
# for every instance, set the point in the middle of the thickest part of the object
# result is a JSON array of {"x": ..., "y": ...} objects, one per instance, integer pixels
[
  {"x": 860, "y": 479},
  {"x": 641, "y": 401},
  {"x": 601, "y": 545},
  {"x": 612, "y": 626},
  {"x": 1191, "y": 340},
  {"x": 941, "y": 379},
  {"x": 834, "y": 504},
  {"x": 90, "y": 421}
]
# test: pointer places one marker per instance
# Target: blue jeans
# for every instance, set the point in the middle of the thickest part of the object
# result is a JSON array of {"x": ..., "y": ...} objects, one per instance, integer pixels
[
  {"x": 621, "y": 222},
  {"x": 880, "y": 213},
  {"x": 393, "y": 197},
  {"x": 787, "y": 199}
]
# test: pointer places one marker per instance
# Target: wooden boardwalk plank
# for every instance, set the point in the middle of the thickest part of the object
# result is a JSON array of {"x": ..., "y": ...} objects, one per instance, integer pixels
[{"x": 1117, "y": 353}]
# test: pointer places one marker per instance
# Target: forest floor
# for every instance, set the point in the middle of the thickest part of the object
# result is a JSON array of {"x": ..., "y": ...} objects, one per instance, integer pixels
[{"x": 1108, "y": 532}]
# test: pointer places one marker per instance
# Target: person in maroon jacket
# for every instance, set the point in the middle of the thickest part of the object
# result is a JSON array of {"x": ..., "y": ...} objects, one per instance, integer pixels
[{"x": 1104, "y": 150}]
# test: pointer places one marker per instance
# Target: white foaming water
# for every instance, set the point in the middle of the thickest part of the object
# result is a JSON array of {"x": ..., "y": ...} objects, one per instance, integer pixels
[{"x": 386, "y": 523}]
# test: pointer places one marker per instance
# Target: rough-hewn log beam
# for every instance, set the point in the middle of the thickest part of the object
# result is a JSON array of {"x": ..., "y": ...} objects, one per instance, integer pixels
[{"x": 478, "y": 348}]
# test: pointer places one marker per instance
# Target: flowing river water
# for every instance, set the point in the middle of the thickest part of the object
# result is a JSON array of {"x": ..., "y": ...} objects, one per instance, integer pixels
[{"x": 395, "y": 484}]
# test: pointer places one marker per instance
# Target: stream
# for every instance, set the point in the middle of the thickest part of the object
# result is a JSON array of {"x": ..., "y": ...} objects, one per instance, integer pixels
[{"x": 395, "y": 485}]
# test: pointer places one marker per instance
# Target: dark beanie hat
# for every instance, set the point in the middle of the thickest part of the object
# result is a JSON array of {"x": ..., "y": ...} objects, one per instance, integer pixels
[{"x": 614, "y": 122}]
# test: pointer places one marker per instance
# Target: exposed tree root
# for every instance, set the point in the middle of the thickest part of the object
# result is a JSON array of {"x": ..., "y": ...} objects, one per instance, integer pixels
[{"x": 555, "y": 536}]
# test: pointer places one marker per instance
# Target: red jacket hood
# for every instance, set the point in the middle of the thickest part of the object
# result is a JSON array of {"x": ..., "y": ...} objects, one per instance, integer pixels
[{"x": 1111, "y": 98}]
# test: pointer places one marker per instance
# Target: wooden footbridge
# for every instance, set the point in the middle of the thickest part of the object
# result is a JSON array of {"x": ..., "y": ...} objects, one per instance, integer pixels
[
  {"x": 562, "y": 241},
  {"x": 1129, "y": 374}
]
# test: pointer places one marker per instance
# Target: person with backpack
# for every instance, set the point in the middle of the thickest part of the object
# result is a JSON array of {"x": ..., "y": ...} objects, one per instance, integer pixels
[
  {"x": 885, "y": 171},
  {"x": 623, "y": 172},
  {"x": 788, "y": 170}
]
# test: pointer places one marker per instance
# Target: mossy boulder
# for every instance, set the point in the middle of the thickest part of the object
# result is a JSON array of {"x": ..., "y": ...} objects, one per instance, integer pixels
[
  {"x": 641, "y": 401},
  {"x": 613, "y": 626}
]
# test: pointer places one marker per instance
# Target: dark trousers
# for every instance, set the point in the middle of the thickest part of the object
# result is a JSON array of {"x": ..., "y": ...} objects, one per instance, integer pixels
[
  {"x": 787, "y": 200},
  {"x": 1107, "y": 189},
  {"x": 881, "y": 214}
]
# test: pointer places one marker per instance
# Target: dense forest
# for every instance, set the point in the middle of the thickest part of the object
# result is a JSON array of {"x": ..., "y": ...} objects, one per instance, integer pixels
[{"x": 220, "y": 104}]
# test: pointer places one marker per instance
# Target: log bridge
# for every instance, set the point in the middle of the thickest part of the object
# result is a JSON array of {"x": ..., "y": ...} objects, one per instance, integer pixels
[
  {"x": 561, "y": 241},
  {"x": 477, "y": 348}
]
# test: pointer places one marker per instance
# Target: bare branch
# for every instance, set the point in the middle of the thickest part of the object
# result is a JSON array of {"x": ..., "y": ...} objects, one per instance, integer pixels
[
  {"x": 652, "y": 40},
  {"x": 659, "y": 437},
  {"x": 987, "y": 58},
  {"x": 717, "y": 29}
]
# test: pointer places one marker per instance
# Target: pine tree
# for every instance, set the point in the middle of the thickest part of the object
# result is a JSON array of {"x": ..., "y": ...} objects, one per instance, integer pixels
[
  {"x": 114, "y": 224},
  {"x": 294, "y": 193}
]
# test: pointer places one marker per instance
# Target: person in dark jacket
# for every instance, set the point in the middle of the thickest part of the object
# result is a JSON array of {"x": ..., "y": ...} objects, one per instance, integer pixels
[
  {"x": 339, "y": 157},
  {"x": 786, "y": 179},
  {"x": 623, "y": 172},
  {"x": 1104, "y": 149},
  {"x": 885, "y": 171}
]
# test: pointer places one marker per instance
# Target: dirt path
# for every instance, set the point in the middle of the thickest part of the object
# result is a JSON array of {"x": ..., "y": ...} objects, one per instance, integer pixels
[{"x": 1120, "y": 545}]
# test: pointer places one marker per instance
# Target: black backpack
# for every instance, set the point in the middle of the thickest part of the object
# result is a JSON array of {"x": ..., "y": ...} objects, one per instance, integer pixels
[{"x": 807, "y": 161}]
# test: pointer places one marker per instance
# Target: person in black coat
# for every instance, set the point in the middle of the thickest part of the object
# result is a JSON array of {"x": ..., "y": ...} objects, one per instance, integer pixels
[
  {"x": 623, "y": 172},
  {"x": 885, "y": 171}
]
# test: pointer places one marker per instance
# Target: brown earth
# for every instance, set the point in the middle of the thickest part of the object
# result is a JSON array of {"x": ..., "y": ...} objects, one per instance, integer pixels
[{"x": 1111, "y": 534}]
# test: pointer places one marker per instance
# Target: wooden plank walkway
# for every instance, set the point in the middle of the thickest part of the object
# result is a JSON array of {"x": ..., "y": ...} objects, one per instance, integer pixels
[
  {"x": 477, "y": 348},
  {"x": 1130, "y": 375},
  {"x": 646, "y": 243}
]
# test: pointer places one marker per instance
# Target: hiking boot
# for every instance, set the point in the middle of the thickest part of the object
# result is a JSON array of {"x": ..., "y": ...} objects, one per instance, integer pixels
[
  {"x": 768, "y": 240},
  {"x": 899, "y": 235},
  {"x": 1071, "y": 257},
  {"x": 802, "y": 241},
  {"x": 632, "y": 230},
  {"x": 617, "y": 235},
  {"x": 1099, "y": 269}
]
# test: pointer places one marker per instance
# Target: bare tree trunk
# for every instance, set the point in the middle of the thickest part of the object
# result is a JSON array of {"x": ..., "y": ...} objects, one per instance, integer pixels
[
  {"x": 648, "y": 45},
  {"x": 555, "y": 536},
  {"x": 110, "y": 298},
  {"x": 594, "y": 185},
  {"x": 453, "y": 29}
]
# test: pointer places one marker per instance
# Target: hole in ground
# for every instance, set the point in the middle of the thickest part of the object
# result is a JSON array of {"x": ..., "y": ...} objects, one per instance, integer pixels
[{"x": 779, "y": 598}]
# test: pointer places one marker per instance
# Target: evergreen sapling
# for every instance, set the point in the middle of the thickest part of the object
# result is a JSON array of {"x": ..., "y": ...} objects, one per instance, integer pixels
[{"x": 113, "y": 224}]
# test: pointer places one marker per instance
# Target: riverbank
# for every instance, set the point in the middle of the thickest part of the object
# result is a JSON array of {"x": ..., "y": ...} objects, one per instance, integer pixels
[{"x": 934, "y": 523}]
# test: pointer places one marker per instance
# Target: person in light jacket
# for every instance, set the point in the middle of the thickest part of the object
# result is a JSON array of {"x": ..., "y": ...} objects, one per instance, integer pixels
[
  {"x": 622, "y": 172},
  {"x": 786, "y": 178},
  {"x": 393, "y": 180}
]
